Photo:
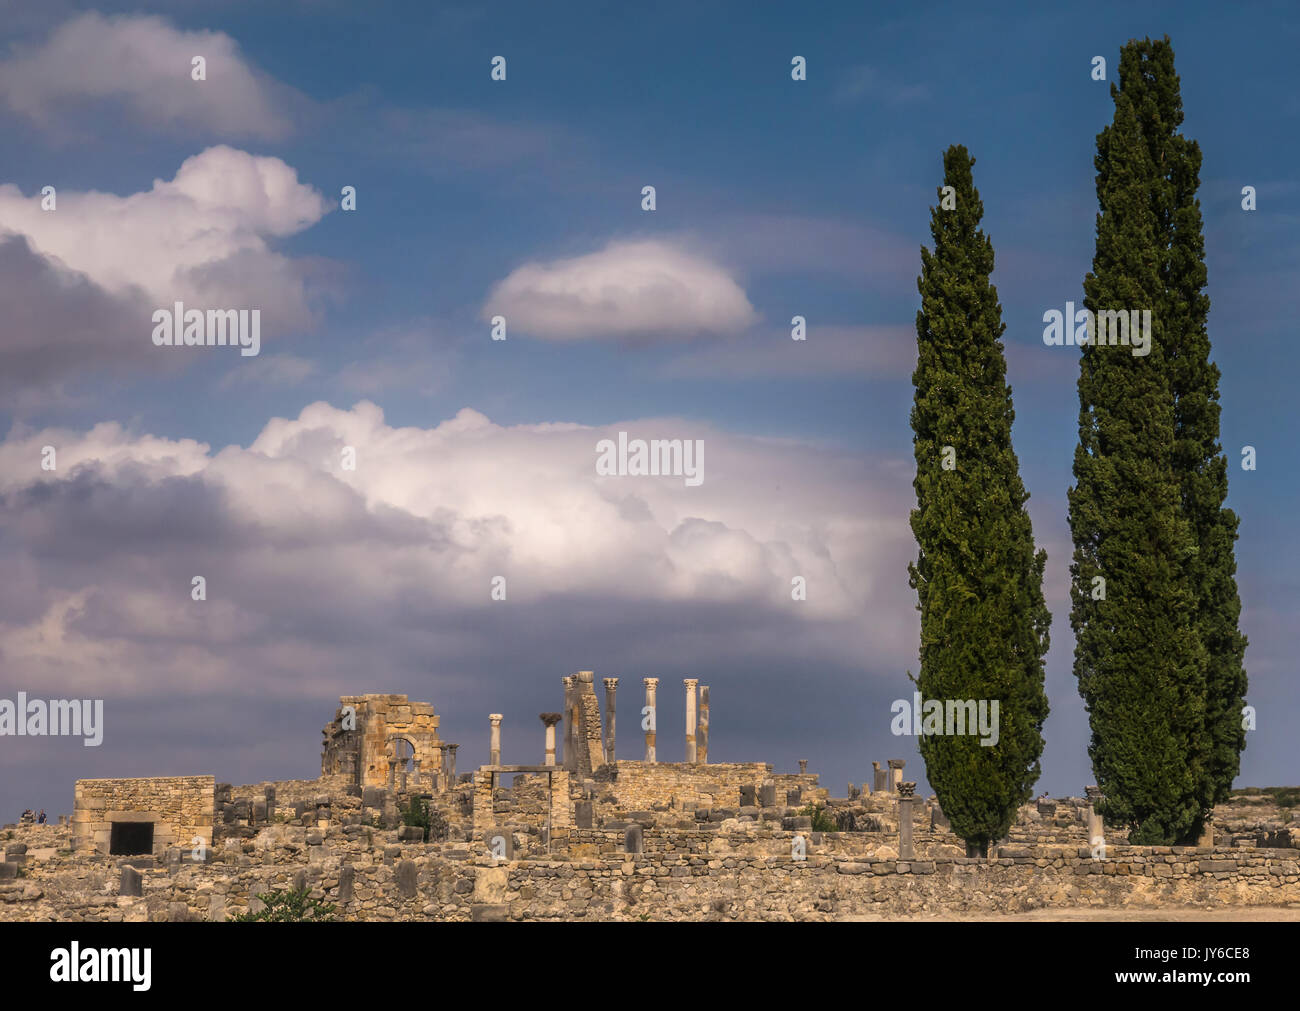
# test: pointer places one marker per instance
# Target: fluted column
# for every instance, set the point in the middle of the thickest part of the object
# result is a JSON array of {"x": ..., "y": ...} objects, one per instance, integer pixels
[
  {"x": 494, "y": 746},
  {"x": 702, "y": 733},
  {"x": 611, "y": 686},
  {"x": 691, "y": 684},
  {"x": 550, "y": 720},
  {"x": 651, "y": 684}
]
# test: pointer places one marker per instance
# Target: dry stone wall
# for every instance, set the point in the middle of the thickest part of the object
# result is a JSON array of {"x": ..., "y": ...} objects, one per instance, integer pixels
[{"x": 375, "y": 875}]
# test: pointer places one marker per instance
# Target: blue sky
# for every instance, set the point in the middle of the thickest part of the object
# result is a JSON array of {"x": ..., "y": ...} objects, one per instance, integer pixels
[{"x": 774, "y": 198}]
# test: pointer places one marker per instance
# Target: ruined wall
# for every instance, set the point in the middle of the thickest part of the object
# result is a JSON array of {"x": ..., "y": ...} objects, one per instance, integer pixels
[
  {"x": 372, "y": 876},
  {"x": 639, "y": 786},
  {"x": 588, "y": 750},
  {"x": 364, "y": 753},
  {"x": 497, "y": 809},
  {"x": 179, "y": 807}
]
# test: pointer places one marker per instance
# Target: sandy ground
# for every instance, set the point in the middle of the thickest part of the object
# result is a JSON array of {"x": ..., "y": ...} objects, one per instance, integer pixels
[{"x": 1172, "y": 914}]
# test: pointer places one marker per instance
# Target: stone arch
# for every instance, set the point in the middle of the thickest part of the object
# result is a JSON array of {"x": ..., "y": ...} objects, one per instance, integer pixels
[{"x": 404, "y": 759}]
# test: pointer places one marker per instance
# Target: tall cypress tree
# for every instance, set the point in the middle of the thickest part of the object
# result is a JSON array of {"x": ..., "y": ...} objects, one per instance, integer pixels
[
  {"x": 1198, "y": 456},
  {"x": 984, "y": 622},
  {"x": 1151, "y": 578}
]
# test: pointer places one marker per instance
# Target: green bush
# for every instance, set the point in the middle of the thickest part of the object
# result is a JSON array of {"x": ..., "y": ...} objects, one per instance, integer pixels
[
  {"x": 821, "y": 820},
  {"x": 421, "y": 815},
  {"x": 289, "y": 906}
]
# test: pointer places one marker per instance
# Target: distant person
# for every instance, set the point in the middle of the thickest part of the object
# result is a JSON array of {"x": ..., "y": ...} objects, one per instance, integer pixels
[{"x": 40, "y": 820}]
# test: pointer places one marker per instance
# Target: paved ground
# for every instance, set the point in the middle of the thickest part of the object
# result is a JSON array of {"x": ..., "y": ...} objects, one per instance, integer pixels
[{"x": 1223, "y": 914}]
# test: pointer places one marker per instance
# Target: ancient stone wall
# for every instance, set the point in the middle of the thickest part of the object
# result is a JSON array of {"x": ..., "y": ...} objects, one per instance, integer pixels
[
  {"x": 180, "y": 808},
  {"x": 586, "y": 752},
  {"x": 637, "y": 786},
  {"x": 375, "y": 876}
]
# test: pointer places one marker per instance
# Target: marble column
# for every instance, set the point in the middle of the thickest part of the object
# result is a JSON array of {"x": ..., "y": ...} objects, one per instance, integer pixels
[
  {"x": 702, "y": 731},
  {"x": 879, "y": 778},
  {"x": 494, "y": 746},
  {"x": 550, "y": 720},
  {"x": 905, "y": 792},
  {"x": 650, "y": 722},
  {"x": 691, "y": 684},
  {"x": 895, "y": 773},
  {"x": 611, "y": 686}
]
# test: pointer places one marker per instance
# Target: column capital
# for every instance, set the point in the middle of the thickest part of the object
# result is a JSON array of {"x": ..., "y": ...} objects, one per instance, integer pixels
[
  {"x": 569, "y": 679},
  {"x": 906, "y": 790},
  {"x": 691, "y": 682},
  {"x": 496, "y": 719},
  {"x": 550, "y": 719},
  {"x": 651, "y": 682},
  {"x": 585, "y": 675},
  {"x": 610, "y": 683},
  {"x": 897, "y": 763}
]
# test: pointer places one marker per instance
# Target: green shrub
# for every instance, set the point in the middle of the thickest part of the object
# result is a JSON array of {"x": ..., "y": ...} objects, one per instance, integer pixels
[
  {"x": 821, "y": 819},
  {"x": 420, "y": 814},
  {"x": 289, "y": 906}
]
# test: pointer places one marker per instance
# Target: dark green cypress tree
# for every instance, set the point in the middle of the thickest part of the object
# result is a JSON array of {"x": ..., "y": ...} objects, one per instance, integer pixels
[
  {"x": 1199, "y": 462},
  {"x": 984, "y": 622},
  {"x": 1139, "y": 658}
]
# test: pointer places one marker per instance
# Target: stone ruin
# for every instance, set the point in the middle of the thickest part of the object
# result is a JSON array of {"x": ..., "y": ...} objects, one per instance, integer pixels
[
  {"x": 375, "y": 739},
  {"x": 583, "y": 834}
]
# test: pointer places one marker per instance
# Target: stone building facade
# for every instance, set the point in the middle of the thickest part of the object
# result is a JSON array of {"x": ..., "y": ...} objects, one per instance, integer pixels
[{"x": 125, "y": 817}]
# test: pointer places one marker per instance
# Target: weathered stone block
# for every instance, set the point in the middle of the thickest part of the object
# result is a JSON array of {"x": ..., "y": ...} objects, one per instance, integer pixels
[
  {"x": 131, "y": 883},
  {"x": 408, "y": 878}
]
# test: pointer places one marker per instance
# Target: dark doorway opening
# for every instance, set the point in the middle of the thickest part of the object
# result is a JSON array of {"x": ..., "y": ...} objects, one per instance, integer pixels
[{"x": 131, "y": 838}]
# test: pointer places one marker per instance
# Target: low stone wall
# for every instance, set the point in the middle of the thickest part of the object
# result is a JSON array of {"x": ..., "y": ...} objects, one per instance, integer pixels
[
  {"x": 643, "y": 786},
  {"x": 371, "y": 874},
  {"x": 180, "y": 809}
]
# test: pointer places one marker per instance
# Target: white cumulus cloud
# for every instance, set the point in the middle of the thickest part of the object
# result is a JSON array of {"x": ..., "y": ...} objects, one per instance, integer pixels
[
  {"x": 638, "y": 290},
  {"x": 312, "y": 567},
  {"x": 143, "y": 65},
  {"x": 202, "y": 236}
]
